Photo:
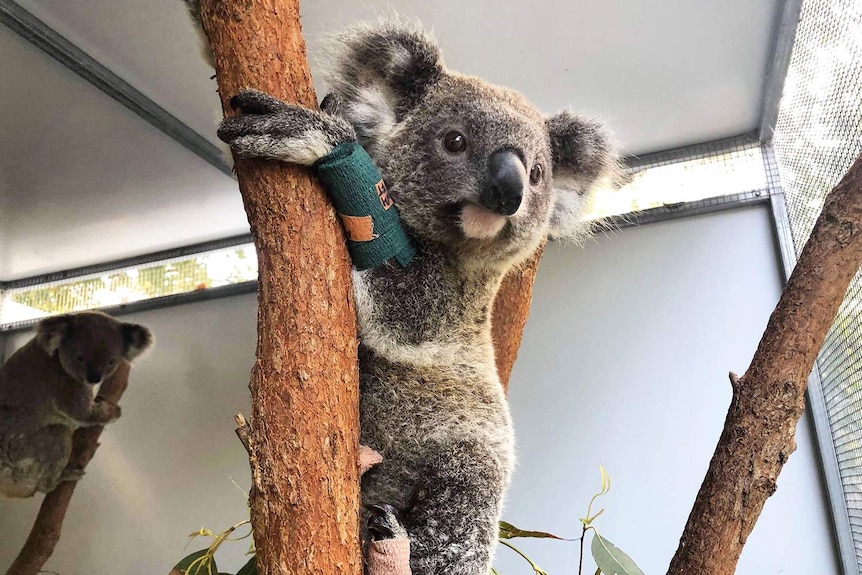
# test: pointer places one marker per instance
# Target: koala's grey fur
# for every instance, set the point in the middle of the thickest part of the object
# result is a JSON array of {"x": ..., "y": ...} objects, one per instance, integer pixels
[
  {"x": 47, "y": 392},
  {"x": 431, "y": 401}
]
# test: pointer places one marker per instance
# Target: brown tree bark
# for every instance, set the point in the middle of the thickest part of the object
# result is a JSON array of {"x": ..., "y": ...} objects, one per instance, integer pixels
[
  {"x": 768, "y": 400},
  {"x": 45, "y": 532},
  {"x": 511, "y": 309},
  {"x": 303, "y": 433}
]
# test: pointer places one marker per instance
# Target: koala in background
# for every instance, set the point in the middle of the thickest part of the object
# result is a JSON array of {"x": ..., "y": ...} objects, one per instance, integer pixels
[
  {"x": 479, "y": 177},
  {"x": 47, "y": 392}
]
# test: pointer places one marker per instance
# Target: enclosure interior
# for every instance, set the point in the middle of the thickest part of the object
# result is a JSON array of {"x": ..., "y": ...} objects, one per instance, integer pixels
[
  {"x": 624, "y": 364},
  {"x": 625, "y": 356}
]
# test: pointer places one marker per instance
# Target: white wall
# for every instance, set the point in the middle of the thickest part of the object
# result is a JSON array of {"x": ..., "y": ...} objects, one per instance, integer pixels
[
  {"x": 168, "y": 466},
  {"x": 624, "y": 363}
]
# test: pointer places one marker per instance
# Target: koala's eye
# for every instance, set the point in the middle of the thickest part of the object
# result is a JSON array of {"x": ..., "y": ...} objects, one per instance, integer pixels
[
  {"x": 536, "y": 174},
  {"x": 455, "y": 142},
  {"x": 112, "y": 362},
  {"x": 79, "y": 357}
]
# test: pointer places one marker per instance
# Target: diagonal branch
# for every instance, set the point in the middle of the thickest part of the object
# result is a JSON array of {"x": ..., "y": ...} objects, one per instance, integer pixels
[{"x": 768, "y": 400}]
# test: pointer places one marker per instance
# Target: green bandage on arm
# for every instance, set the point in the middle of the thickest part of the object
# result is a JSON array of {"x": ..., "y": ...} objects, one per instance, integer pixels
[{"x": 370, "y": 218}]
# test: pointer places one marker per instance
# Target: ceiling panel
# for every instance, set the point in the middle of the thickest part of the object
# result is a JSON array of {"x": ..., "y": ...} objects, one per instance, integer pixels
[
  {"x": 661, "y": 73},
  {"x": 83, "y": 181}
]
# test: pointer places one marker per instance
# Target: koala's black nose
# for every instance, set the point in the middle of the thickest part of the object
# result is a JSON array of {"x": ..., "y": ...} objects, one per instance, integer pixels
[
  {"x": 94, "y": 377},
  {"x": 504, "y": 189}
]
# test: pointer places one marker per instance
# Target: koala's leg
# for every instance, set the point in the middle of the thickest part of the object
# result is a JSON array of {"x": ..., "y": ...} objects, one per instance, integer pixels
[
  {"x": 270, "y": 128},
  {"x": 454, "y": 523},
  {"x": 34, "y": 461},
  {"x": 388, "y": 551}
]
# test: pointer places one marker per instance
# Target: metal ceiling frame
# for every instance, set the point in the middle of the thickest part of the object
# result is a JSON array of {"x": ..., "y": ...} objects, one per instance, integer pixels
[{"x": 782, "y": 48}]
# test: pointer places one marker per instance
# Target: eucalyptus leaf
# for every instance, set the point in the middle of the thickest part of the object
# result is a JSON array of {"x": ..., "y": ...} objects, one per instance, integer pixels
[
  {"x": 196, "y": 563},
  {"x": 249, "y": 568},
  {"x": 610, "y": 560},
  {"x": 509, "y": 531}
]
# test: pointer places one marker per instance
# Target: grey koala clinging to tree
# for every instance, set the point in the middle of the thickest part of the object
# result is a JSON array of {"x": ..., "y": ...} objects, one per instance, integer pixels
[
  {"x": 47, "y": 392},
  {"x": 479, "y": 177}
]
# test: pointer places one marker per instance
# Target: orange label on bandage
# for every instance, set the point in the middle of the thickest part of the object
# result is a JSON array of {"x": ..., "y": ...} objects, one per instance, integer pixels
[{"x": 359, "y": 228}]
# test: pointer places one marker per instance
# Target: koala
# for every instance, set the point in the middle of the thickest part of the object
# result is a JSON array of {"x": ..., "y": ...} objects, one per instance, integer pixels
[
  {"x": 47, "y": 392},
  {"x": 480, "y": 177}
]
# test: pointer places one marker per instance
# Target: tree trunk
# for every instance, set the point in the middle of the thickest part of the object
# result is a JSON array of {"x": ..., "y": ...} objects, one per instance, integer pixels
[
  {"x": 45, "y": 532},
  {"x": 303, "y": 432},
  {"x": 768, "y": 400},
  {"x": 511, "y": 309}
]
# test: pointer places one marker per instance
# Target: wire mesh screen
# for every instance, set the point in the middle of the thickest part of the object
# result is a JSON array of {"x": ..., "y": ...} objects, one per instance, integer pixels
[
  {"x": 720, "y": 168},
  {"x": 818, "y": 136},
  {"x": 212, "y": 268}
]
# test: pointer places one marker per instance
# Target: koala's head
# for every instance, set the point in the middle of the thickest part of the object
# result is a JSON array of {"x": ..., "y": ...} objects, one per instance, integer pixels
[
  {"x": 90, "y": 345},
  {"x": 469, "y": 164}
]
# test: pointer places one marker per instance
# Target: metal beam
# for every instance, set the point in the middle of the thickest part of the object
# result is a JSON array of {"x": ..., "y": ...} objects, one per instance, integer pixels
[
  {"x": 779, "y": 62},
  {"x": 59, "y": 48}
]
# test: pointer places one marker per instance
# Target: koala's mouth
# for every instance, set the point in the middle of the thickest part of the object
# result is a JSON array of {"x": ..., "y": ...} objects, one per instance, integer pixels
[{"x": 480, "y": 223}]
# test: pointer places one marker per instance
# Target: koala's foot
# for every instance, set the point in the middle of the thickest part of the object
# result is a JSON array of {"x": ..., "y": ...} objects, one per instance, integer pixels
[
  {"x": 384, "y": 523},
  {"x": 270, "y": 128},
  {"x": 388, "y": 552}
]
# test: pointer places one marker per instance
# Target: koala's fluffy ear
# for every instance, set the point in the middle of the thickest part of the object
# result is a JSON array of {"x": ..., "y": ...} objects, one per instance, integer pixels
[
  {"x": 582, "y": 155},
  {"x": 52, "y": 330},
  {"x": 381, "y": 72},
  {"x": 136, "y": 340}
]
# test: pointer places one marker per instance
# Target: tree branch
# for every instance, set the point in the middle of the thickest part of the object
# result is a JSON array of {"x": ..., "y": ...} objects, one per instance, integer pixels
[
  {"x": 45, "y": 532},
  {"x": 303, "y": 433},
  {"x": 511, "y": 309},
  {"x": 768, "y": 400}
]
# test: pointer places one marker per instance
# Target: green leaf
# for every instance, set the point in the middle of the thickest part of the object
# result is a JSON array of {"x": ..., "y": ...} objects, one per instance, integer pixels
[
  {"x": 494, "y": 571},
  {"x": 509, "y": 531},
  {"x": 197, "y": 563},
  {"x": 249, "y": 568},
  {"x": 610, "y": 560}
]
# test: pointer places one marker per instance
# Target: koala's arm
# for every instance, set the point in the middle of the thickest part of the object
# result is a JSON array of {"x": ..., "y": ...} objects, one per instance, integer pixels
[
  {"x": 76, "y": 404},
  {"x": 270, "y": 128}
]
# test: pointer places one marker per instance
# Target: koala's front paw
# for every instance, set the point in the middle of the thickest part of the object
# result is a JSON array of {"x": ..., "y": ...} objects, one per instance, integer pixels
[
  {"x": 384, "y": 523},
  {"x": 270, "y": 128},
  {"x": 72, "y": 474},
  {"x": 104, "y": 412}
]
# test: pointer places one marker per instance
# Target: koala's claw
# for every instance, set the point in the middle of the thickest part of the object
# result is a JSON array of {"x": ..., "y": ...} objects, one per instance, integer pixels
[
  {"x": 72, "y": 474},
  {"x": 384, "y": 523},
  {"x": 105, "y": 411},
  {"x": 269, "y": 128},
  {"x": 256, "y": 102}
]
